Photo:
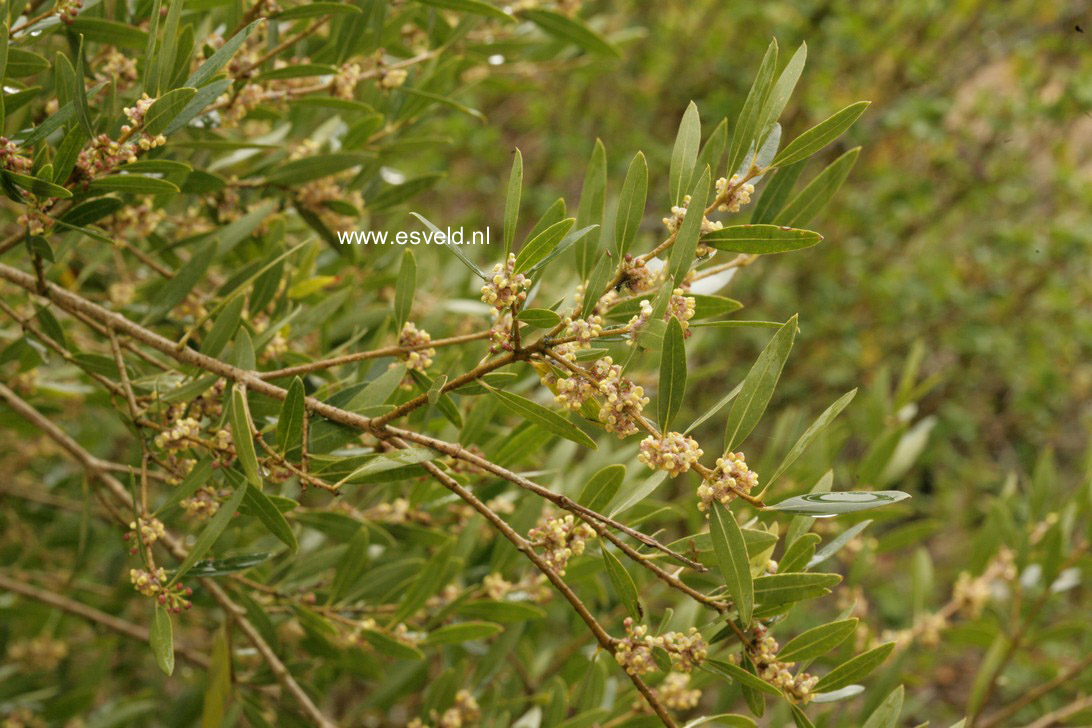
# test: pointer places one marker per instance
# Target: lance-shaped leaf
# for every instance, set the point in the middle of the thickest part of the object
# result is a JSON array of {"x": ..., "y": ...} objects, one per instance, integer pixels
[
  {"x": 631, "y": 205},
  {"x": 539, "y": 318},
  {"x": 817, "y": 641},
  {"x": 837, "y": 544},
  {"x": 758, "y": 386},
  {"x": 455, "y": 249},
  {"x": 743, "y": 136},
  {"x": 684, "y": 155},
  {"x": 161, "y": 638},
  {"x": 741, "y": 676},
  {"x": 271, "y": 517},
  {"x": 224, "y": 327},
  {"x": 833, "y": 504},
  {"x": 183, "y": 282},
  {"x": 622, "y": 583},
  {"x": 599, "y": 279},
  {"x": 686, "y": 240},
  {"x": 761, "y": 239},
  {"x": 602, "y": 487},
  {"x": 820, "y": 135},
  {"x": 672, "y": 375},
  {"x": 814, "y": 197},
  {"x": 854, "y": 669},
  {"x": 781, "y": 92},
  {"x": 83, "y": 111},
  {"x": 776, "y": 194},
  {"x": 166, "y": 108},
  {"x": 731, "y": 553},
  {"x": 477, "y": 7},
  {"x": 810, "y": 434},
  {"x": 241, "y": 428},
  {"x": 390, "y": 461},
  {"x": 886, "y": 715},
  {"x": 777, "y": 589},
  {"x": 569, "y": 30},
  {"x": 593, "y": 198},
  {"x": 454, "y": 634},
  {"x": 542, "y": 245},
  {"x": 220, "y": 58},
  {"x": 511, "y": 202},
  {"x": 428, "y": 581},
  {"x": 136, "y": 184},
  {"x": 545, "y": 418},
  {"x": 404, "y": 289},
  {"x": 211, "y": 532},
  {"x": 732, "y": 720}
]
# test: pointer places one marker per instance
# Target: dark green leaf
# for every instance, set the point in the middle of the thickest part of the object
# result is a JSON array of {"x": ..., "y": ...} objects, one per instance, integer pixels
[
  {"x": 813, "y": 198},
  {"x": 211, "y": 532},
  {"x": 631, "y": 205},
  {"x": 623, "y": 584},
  {"x": 817, "y": 641},
  {"x": 821, "y": 134},
  {"x": 855, "y": 669},
  {"x": 570, "y": 31},
  {"x": 539, "y": 318},
  {"x": 536, "y": 249},
  {"x": 511, "y": 202},
  {"x": 241, "y": 428},
  {"x": 758, "y": 386},
  {"x": 761, "y": 239},
  {"x": 161, "y": 637},
  {"x": 405, "y": 288},
  {"x": 731, "y": 553},
  {"x": 271, "y": 516},
  {"x": 686, "y": 240},
  {"x": 684, "y": 155},
  {"x": 602, "y": 487},
  {"x": 454, "y": 634},
  {"x": 545, "y": 418},
  {"x": 672, "y": 375}
]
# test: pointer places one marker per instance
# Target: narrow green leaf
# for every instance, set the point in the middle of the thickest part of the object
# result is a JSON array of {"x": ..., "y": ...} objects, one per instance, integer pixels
[
  {"x": 776, "y": 194},
  {"x": 224, "y": 327},
  {"x": 391, "y": 647},
  {"x": 241, "y": 428},
  {"x": 313, "y": 10},
  {"x": 837, "y": 543},
  {"x": 602, "y": 487},
  {"x": 623, "y": 584},
  {"x": 817, "y": 641},
  {"x": 542, "y": 245},
  {"x": 777, "y": 589},
  {"x": 886, "y": 715},
  {"x": 684, "y": 155},
  {"x": 781, "y": 92},
  {"x": 593, "y": 198},
  {"x": 314, "y": 167},
  {"x": 454, "y": 634},
  {"x": 820, "y": 135},
  {"x": 205, "y": 95},
  {"x": 743, "y": 136},
  {"x": 761, "y": 239},
  {"x": 405, "y": 288},
  {"x": 38, "y": 186},
  {"x": 833, "y": 504},
  {"x": 810, "y": 434},
  {"x": 429, "y": 580},
  {"x": 135, "y": 184},
  {"x": 732, "y": 720},
  {"x": 758, "y": 386},
  {"x": 812, "y": 199},
  {"x": 111, "y": 32},
  {"x": 731, "y": 553},
  {"x": 352, "y": 565},
  {"x": 600, "y": 277},
  {"x": 167, "y": 49},
  {"x": 570, "y": 31},
  {"x": 713, "y": 149},
  {"x": 211, "y": 532},
  {"x": 672, "y": 375},
  {"x": 741, "y": 676},
  {"x": 568, "y": 241},
  {"x": 539, "y": 318},
  {"x": 390, "y": 461},
  {"x": 511, "y": 202},
  {"x": 220, "y": 58},
  {"x": 197, "y": 477},
  {"x": 166, "y": 108},
  {"x": 686, "y": 240},
  {"x": 477, "y": 7},
  {"x": 631, "y": 205},
  {"x": 184, "y": 281},
  {"x": 161, "y": 637},
  {"x": 4, "y": 38},
  {"x": 855, "y": 669},
  {"x": 456, "y": 249},
  {"x": 270, "y": 516},
  {"x": 545, "y": 418},
  {"x": 83, "y": 112}
]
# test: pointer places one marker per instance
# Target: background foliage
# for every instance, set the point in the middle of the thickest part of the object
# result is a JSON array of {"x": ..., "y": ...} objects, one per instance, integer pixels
[{"x": 951, "y": 287}]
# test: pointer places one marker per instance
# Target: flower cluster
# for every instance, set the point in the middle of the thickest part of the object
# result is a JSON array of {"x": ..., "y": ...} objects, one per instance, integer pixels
[
  {"x": 624, "y": 400},
  {"x": 561, "y": 539},
  {"x": 419, "y": 356},
  {"x": 763, "y": 653},
  {"x": 327, "y": 198},
  {"x": 729, "y": 477},
  {"x": 344, "y": 83},
  {"x": 504, "y": 288},
  {"x": 733, "y": 195},
  {"x": 102, "y": 155},
  {"x": 678, "y": 214},
  {"x": 679, "y": 305},
  {"x": 465, "y": 711},
  {"x": 11, "y": 159},
  {"x": 634, "y": 651},
  {"x": 391, "y": 78},
  {"x": 116, "y": 66},
  {"x": 184, "y": 429},
  {"x": 500, "y": 333},
  {"x": 675, "y": 692},
  {"x": 154, "y": 584},
  {"x": 148, "y": 530},
  {"x": 672, "y": 451},
  {"x": 201, "y": 505},
  {"x": 67, "y": 10},
  {"x": 136, "y": 114},
  {"x": 636, "y": 275},
  {"x": 38, "y": 653}
]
